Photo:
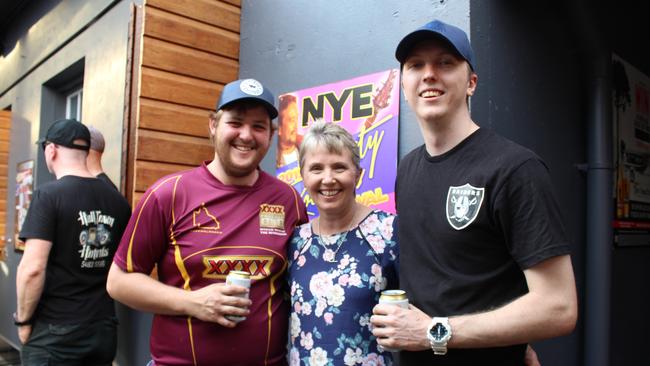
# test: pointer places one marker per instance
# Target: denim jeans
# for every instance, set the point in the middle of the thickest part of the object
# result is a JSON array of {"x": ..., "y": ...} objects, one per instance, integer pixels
[{"x": 90, "y": 343}]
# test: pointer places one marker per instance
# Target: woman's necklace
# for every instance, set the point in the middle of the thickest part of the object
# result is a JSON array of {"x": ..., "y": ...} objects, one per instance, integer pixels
[{"x": 326, "y": 244}]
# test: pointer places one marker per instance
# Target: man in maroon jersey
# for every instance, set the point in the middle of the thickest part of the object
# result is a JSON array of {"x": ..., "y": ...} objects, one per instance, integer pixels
[{"x": 198, "y": 225}]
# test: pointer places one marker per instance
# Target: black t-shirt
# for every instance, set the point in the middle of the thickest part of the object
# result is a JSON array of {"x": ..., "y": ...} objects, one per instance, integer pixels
[
  {"x": 102, "y": 176},
  {"x": 470, "y": 221},
  {"x": 84, "y": 218}
]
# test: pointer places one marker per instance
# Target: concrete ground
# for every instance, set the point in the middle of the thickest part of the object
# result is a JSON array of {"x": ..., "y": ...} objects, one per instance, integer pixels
[{"x": 9, "y": 356}]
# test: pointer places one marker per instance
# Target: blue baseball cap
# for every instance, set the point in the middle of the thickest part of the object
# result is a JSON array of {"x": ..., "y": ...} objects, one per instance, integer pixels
[
  {"x": 453, "y": 35},
  {"x": 247, "y": 89}
]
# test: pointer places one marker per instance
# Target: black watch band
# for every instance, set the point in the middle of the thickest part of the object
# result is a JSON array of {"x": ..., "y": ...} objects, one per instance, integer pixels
[{"x": 21, "y": 323}]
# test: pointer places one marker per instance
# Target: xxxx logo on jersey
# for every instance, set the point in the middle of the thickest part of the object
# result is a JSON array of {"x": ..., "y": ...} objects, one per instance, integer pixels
[
  {"x": 272, "y": 219},
  {"x": 259, "y": 266}
]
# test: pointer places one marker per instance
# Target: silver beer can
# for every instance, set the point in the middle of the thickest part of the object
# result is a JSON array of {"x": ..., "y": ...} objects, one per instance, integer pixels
[
  {"x": 394, "y": 297},
  {"x": 238, "y": 278},
  {"x": 397, "y": 298}
]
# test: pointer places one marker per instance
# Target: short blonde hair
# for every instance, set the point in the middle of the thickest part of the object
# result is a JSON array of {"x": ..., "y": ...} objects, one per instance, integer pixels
[{"x": 331, "y": 136}]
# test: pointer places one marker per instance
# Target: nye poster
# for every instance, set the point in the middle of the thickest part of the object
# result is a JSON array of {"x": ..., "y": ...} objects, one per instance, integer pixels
[{"x": 368, "y": 108}]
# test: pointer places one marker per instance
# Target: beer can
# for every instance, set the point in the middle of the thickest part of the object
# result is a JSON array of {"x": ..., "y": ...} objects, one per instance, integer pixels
[
  {"x": 397, "y": 298},
  {"x": 238, "y": 278},
  {"x": 394, "y": 297}
]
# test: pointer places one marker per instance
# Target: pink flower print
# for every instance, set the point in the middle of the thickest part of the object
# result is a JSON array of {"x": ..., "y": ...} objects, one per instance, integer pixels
[
  {"x": 328, "y": 255},
  {"x": 336, "y": 296},
  {"x": 306, "y": 340},
  {"x": 320, "y": 307},
  {"x": 355, "y": 279},
  {"x": 305, "y": 231},
  {"x": 320, "y": 284},
  {"x": 379, "y": 282},
  {"x": 386, "y": 230},
  {"x": 377, "y": 243},
  {"x": 318, "y": 357},
  {"x": 344, "y": 261},
  {"x": 306, "y": 308},
  {"x": 373, "y": 359},
  {"x": 328, "y": 317},
  {"x": 294, "y": 357},
  {"x": 301, "y": 261},
  {"x": 352, "y": 357},
  {"x": 370, "y": 224},
  {"x": 343, "y": 280}
]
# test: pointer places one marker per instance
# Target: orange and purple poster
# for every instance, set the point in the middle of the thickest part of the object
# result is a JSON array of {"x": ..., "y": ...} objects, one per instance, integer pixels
[{"x": 368, "y": 108}]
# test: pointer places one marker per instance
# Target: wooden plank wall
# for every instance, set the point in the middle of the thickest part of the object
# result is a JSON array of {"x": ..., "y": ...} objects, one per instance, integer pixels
[
  {"x": 5, "y": 127},
  {"x": 188, "y": 50}
]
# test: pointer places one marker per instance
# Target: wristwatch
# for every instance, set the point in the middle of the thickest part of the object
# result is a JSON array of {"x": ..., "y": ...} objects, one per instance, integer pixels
[
  {"x": 439, "y": 334},
  {"x": 21, "y": 323}
]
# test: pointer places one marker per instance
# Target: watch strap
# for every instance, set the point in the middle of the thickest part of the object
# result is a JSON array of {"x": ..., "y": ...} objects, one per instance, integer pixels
[
  {"x": 19, "y": 323},
  {"x": 439, "y": 347}
]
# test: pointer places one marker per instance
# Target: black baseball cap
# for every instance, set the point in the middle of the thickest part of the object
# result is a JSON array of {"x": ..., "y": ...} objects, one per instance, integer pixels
[
  {"x": 453, "y": 35},
  {"x": 65, "y": 131},
  {"x": 247, "y": 89}
]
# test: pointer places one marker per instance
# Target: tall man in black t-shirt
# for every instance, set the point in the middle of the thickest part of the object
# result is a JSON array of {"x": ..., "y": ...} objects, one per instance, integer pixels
[
  {"x": 94, "y": 159},
  {"x": 64, "y": 315},
  {"x": 483, "y": 251}
]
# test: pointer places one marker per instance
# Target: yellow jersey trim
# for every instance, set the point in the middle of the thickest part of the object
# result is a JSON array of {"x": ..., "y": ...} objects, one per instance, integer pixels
[{"x": 129, "y": 257}]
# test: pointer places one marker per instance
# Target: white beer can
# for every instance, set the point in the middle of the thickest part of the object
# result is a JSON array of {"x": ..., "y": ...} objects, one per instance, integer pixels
[
  {"x": 397, "y": 298},
  {"x": 238, "y": 278}
]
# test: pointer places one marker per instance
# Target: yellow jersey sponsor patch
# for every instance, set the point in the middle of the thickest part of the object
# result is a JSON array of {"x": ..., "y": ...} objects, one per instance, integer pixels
[{"x": 272, "y": 219}]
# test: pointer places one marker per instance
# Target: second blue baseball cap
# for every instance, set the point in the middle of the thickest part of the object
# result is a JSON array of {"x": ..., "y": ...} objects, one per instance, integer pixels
[
  {"x": 247, "y": 89},
  {"x": 453, "y": 35}
]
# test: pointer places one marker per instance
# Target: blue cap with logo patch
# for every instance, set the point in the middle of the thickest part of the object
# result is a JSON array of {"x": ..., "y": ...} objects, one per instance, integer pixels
[
  {"x": 247, "y": 89},
  {"x": 453, "y": 35}
]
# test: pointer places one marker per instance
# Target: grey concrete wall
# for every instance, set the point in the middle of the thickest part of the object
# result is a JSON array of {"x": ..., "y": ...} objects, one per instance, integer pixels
[
  {"x": 103, "y": 45},
  {"x": 292, "y": 45},
  {"x": 31, "y": 39},
  {"x": 530, "y": 89}
]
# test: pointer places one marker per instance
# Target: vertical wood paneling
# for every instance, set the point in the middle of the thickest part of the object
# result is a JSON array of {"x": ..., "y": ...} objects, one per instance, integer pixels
[
  {"x": 5, "y": 129},
  {"x": 183, "y": 52}
]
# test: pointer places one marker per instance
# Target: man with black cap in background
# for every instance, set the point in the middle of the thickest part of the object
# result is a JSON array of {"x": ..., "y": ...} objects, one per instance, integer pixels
[
  {"x": 484, "y": 258},
  {"x": 72, "y": 228},
  {"x": 200, "y": 224}
]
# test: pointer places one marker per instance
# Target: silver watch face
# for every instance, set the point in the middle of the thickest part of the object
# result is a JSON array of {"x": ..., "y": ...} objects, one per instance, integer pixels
[{"x": 439, "y": 332}]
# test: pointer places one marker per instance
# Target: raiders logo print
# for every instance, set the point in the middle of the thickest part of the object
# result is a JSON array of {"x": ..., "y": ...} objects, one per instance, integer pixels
[{"x": 463, "y": 205}]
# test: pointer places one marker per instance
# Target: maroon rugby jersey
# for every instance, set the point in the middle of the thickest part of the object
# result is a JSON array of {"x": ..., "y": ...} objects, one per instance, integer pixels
[{"x": 197, "y": 229}]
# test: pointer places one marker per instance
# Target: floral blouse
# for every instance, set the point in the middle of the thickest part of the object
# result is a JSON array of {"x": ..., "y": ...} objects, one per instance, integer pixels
[{"x": 335, "y": 282}]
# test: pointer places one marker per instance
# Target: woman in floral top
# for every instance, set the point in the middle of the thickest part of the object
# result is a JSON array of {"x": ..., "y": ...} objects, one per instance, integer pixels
[{"x": 340, "y": 262}]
